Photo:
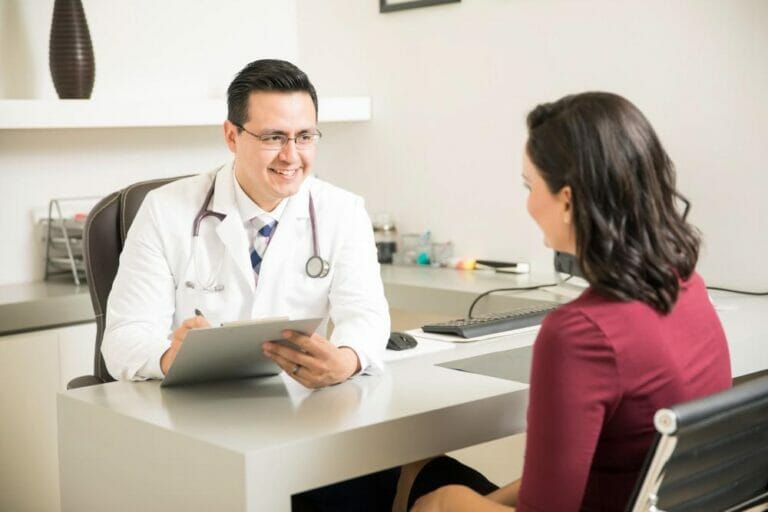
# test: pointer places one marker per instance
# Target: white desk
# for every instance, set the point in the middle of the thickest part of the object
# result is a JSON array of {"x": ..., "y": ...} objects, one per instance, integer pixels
[
  {"x": 248, "y": 446},
  {"x": 450, "y": 292}
]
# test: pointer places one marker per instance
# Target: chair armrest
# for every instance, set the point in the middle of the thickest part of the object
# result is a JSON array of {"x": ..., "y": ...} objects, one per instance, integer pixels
[{"x": 84, "y": 381}]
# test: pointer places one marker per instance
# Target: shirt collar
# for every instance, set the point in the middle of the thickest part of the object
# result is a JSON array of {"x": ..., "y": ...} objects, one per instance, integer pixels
[{"x": 248, "y": 209}]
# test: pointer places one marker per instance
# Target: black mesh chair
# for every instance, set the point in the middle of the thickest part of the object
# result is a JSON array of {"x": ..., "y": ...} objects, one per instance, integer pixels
[
  {"x": 103, "y": 239},
  {"x": 709, "y": 454}
]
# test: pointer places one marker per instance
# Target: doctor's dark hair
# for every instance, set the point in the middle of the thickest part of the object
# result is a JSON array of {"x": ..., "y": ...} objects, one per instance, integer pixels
[
  {"x": 264, "y": 75},
  {"x": 632, "y": 240}
]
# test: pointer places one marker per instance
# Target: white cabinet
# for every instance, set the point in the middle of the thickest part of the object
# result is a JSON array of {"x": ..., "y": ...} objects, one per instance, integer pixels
[{"x": 33, "y": 368}]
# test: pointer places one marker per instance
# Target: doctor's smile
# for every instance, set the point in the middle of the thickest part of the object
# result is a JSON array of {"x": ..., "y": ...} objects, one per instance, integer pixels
[{"x": 285, "y": 173}]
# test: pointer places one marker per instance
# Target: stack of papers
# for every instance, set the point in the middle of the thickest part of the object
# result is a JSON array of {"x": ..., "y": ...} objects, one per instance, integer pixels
[{"x": 503, "y": 266}]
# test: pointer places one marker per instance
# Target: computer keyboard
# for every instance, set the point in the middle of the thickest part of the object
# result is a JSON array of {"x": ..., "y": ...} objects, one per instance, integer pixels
[{"x": 525, "y": 316}]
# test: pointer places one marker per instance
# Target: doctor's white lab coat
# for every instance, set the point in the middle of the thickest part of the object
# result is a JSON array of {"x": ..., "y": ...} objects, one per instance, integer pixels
[{"x": 150, "y": 296}]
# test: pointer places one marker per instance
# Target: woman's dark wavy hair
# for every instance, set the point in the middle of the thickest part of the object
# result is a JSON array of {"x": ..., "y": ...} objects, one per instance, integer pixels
[
  {"x": 264, "y": 75},
  {"x": 632, "y": 242}
]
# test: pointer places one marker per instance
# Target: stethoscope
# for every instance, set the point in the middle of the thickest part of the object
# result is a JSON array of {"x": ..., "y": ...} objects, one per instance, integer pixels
[{"x": 316, "y": 267}]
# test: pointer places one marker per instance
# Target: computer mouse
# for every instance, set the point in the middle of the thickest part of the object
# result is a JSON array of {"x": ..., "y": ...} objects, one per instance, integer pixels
[{"x": 401, "y": 341}]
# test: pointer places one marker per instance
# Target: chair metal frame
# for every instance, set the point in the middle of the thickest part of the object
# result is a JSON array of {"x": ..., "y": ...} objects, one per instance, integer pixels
[{"x": 709, "y": 454}]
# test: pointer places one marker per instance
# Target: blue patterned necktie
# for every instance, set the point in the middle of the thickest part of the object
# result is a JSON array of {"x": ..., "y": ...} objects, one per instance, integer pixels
[{"x": 260, "y": 243}]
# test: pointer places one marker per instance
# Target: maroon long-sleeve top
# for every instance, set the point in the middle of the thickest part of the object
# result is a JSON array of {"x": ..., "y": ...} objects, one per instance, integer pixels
[{"x": 601, "y": 369}]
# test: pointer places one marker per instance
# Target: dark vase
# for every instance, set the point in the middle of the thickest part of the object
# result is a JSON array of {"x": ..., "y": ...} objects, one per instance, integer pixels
[{"x": 70, "y": 54}]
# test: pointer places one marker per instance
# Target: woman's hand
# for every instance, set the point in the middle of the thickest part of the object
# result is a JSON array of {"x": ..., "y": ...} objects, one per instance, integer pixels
[
  {"x": 456, "y": 498},
  {"x": 444, "y": 499},
  {"x": 317, "y": 363}
]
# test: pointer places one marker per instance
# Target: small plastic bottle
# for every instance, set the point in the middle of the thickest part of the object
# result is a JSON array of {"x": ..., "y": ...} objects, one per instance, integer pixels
[{"x": 385, "y": 235}]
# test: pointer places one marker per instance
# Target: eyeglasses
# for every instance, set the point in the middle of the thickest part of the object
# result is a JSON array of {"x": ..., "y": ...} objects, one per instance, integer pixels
[{"x": 303, "y": 140}]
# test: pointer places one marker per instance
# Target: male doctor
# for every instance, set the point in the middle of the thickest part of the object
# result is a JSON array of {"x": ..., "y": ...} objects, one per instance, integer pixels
[{"x": 258, "y": 237}]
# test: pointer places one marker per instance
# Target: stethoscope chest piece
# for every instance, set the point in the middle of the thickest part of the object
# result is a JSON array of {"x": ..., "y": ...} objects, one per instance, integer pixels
[{"x": 317, "y": 267}]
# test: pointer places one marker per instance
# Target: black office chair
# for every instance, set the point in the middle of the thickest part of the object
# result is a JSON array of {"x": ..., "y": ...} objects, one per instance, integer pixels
[
  {"x": 709, "y": 454},
  {"x": 103, "y": 239}
]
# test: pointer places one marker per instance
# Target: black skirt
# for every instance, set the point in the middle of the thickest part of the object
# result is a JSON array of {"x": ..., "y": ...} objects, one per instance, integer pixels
[
  {"x": 448, "y": 471},
  {"x": 369, "y": 493}
]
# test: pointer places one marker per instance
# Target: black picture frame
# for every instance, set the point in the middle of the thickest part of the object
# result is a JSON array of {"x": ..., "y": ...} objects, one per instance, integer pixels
[{"x": 389, "y": 6}]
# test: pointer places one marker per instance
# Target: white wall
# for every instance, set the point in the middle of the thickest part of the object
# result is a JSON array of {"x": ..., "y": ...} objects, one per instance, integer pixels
[
  {"x": 172, "y": 49},
  {"x": 451, "y": 86}
]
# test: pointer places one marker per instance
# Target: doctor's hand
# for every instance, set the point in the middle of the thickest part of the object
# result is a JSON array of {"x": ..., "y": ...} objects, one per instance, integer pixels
[
  {"x": 177, "y": 338},
  {"x": 319, "y": 363}
]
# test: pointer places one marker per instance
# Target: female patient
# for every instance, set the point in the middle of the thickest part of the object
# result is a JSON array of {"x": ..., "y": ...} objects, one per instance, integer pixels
[{"x": 643, "y": 336}]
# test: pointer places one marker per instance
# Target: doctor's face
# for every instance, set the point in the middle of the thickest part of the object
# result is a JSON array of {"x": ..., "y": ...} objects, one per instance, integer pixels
[{"x": 270, "y": 175}]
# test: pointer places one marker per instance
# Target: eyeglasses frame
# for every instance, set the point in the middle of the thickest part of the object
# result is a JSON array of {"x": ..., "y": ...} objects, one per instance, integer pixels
[{"x": 317, "y": 135}]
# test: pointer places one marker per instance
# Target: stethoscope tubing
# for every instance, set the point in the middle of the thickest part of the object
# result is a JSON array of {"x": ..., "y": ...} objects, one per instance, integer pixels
[
  {"x": 323, "y": 266},
  {"x": 205, "y": 212}
]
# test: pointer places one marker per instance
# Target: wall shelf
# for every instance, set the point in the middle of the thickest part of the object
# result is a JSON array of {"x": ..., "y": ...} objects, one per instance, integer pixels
[{"x": 65, "y": 114}]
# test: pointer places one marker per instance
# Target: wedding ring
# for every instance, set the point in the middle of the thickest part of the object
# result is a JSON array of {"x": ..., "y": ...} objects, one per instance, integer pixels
[{"x": 296, "y": 369}]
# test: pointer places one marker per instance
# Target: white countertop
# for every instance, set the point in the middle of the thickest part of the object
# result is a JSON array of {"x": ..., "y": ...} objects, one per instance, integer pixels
[{"x": 43, "y": 305}]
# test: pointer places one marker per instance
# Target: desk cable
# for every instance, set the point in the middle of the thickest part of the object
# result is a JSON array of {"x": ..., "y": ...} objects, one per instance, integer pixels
[
  {"x": 742, "y": 292},
  {"x": 519, "y": 288},
  {"x": 523, "y": 288}
]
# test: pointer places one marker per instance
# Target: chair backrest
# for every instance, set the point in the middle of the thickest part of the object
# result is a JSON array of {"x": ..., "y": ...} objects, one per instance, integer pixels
[
  {"x": 709, "y": 454},
  {"x": 103, "y": 239}
]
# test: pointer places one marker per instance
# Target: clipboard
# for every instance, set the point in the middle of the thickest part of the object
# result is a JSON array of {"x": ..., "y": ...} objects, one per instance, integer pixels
[{"x": 232, "y": 351}]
